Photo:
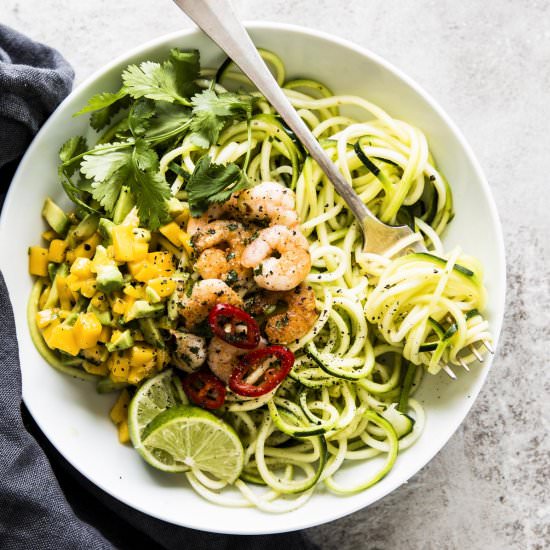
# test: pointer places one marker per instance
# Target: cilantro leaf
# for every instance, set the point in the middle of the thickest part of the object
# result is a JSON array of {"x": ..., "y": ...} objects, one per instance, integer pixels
[
  {"x": 104, "y": 106},
  {"x": 140, "y": 116},
  {"x": 187, "y": 68},
  {"x": 213, "y": 183},
  {"x": 211, "y": 111},
  {"x": 153, "y": 80},
  {"x": 109, "y": 169},
  {"x": 149, "y": 186},
  {"x": 72, "y": 148},
  {"x": 101, "y": 101}
]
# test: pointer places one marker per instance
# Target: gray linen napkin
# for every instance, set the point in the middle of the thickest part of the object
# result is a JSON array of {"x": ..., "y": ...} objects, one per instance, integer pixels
[{"x": 34, "y": 511}]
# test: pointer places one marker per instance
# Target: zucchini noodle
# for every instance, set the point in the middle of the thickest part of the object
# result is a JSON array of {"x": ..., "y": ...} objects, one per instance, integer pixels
[{"x": 375, "y": 313}]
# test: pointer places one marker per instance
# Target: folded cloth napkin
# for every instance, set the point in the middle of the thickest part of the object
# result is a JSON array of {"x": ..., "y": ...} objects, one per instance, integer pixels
[{"x": 34, "y": 510}]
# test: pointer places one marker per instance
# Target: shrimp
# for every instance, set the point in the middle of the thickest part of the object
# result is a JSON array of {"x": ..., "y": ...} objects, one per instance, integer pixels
[
  {"x": 214, "y": 212},
  {"x": 223, "y": 357},
  {"x": 204, "y": 296},
  {"x": 190, "y": 352},
  {"x": 271, "y": 202},
  {"x": 279, "y": 256},
  {"x": 220, "y": 263},
  {"x": 295, "y": 321}
]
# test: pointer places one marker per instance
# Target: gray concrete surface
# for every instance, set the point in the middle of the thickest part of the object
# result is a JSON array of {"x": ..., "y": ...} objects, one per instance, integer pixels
[{"x": 488, "y": 64}]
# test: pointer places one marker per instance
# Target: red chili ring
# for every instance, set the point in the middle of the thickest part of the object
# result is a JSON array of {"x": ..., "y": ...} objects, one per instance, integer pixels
[
  {"x": 204, "y": 389},
  {"x": 223, "y": 314},
  {"x": 271, "y": 378}
]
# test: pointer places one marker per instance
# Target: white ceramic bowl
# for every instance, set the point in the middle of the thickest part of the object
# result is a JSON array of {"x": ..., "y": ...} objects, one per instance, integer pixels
[{"x": 74, "y": 417}]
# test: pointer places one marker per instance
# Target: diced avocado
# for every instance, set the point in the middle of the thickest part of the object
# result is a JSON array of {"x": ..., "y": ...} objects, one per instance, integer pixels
[
  {"x": 105, "y": 227},
  {"x": 124, "y": 204},
  {"x": 56, "y": 218},
  {"x": 152, "y": 295},
  {"x": 141, "y": 308},
  {"x": 109, "y": 278},
  {"x": 124, "y": 341},
  {"x": 106, "y": 385},
  {"x": 53, "y": 296},
  {"x": 85, "y": 229},
  {"x": 52, "y": 270},
  {"x": 151, "y": 333},
  {"x": 104, "y": 317}
]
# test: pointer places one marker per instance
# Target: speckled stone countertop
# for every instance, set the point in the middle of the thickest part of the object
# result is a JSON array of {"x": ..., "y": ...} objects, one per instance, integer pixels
[{"x": 488, "y": 64}]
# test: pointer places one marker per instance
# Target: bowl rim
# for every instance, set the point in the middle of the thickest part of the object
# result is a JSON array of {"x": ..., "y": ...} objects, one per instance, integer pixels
[{"x": 259, "y": 25}]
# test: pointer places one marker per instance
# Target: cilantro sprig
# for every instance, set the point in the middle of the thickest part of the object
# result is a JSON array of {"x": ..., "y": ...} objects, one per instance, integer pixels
[{"x": 158, "y": 106}]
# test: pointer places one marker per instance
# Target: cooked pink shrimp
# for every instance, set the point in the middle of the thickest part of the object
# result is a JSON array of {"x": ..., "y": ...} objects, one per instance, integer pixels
[
  {"x": 295, "y": 321},
  {"x": 214, "y": 212},
  {"x": 204, "y": 296},
  {"x": 287, "y": 270},
  {"x": 222, "y": 357},
  {"x": 220, "y": 245},
  {"x": 269, "y": 201}
]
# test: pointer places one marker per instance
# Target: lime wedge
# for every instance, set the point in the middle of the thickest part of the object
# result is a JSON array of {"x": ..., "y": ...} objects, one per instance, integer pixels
[
  {"x": 187, "y": 437},
  {"x": 154, "y": 397}
]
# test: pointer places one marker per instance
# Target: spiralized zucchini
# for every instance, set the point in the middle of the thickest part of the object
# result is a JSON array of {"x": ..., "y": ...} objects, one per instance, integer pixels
[{"x": 375, "y": 314}]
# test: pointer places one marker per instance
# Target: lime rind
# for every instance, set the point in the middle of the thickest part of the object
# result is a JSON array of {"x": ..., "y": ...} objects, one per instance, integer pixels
[
  {"x": 188, "y": 437},
  {"x": 153, "y": 398}
]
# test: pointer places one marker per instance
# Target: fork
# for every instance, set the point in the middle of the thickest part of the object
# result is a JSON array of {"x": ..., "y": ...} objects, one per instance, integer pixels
[{"x": 218, "y": 20}]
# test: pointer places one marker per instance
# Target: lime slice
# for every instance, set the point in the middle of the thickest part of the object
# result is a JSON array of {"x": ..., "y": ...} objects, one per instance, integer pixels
[
  {"x": 154, "y": 397},
  {"x": 187, "y": 437}
]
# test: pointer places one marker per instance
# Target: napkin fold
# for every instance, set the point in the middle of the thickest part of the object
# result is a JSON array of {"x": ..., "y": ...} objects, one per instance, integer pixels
[{"x": 35, "y": 481}]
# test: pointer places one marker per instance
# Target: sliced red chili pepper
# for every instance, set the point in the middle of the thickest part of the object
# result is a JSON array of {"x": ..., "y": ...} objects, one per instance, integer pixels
[
  {"x": 204, "y": 389},
  {"x": 234, "y": 326},
  {"x": 274, "y": 374}
]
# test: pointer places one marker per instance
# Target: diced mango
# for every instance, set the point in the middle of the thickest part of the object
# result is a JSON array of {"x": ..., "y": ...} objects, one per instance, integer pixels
[
  {"x": 56, "y": 252},
  {"x": 121, "y": 305},
  {"x": 163, "y": 286},
  {"x": 183, "y": 218},
  {"x": 38, "y": 261},
  {"x": 99, "y": 370},
  {"x": 105, "y": 335},
  {"x": 141, "y": 249},
  {"x": 123, "y": 243},
  {"x": 119, "y": 365},
  {"x": 99, "y": 301},
  {"x": 123, "y": 433},
  {"x": 49, "y": 235},
  {"x": 141, "y": 356},
  {"x": 87, "y": 330},
  {"x": 63, "y": 338},
  {"x": 162, "y": 358},
  {"x": 48, "y": 331},
  {"x": 119, "y": 411},
  {"x": 87, "y": 248},
  {"x": 82, "y": 268},
  {"x": 46, "y": 316},
  {"x": 186, "y": 242},
  {"x": 172, "y": 232},
  {"x": 64, "y": 292},
  {"x": 137, "y": 374},
  {"x": 88, "y": 287},
  {"x": 137, "y": 292}
]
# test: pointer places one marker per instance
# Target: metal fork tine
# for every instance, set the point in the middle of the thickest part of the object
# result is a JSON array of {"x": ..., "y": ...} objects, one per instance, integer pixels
[
  {"x": 449, "y": 372},
  {"x": 463, "y": 364},
  {"x": 476, "y": 353},
  {"x": 488, "y": 345}
]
